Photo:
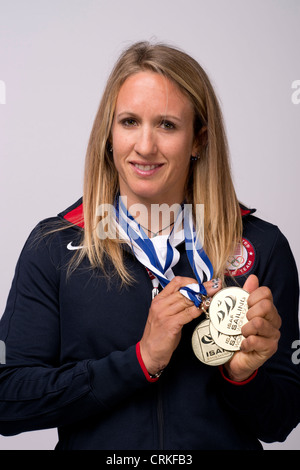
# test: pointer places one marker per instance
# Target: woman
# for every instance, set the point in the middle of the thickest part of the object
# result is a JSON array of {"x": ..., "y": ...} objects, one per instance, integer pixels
[{"x": 103, "y": 308}]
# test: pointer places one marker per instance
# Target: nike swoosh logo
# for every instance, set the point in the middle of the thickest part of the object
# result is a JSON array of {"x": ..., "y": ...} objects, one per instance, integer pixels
[{"x": 71, "y": 247}]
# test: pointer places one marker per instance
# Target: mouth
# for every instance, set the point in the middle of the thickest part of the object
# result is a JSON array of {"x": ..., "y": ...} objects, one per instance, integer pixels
[{"x": 145, "y": 170}]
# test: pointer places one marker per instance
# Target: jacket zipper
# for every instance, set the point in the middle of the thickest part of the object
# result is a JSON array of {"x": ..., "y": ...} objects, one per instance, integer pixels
[
  {"x": 156, "y": 288},
  {"x": 160, "y": 417}
]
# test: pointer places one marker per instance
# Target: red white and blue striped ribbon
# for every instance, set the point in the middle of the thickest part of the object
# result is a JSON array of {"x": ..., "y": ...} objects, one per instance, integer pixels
[{"x": 159, "y": 254}]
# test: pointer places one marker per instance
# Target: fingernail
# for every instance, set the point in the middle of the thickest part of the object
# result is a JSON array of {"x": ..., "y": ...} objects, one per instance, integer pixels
[{"x": 216, "y": 283}]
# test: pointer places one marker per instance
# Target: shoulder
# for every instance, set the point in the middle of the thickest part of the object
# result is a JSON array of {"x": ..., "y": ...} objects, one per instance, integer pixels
[
  {"x": 266, "y": 236},
  {"x": 54, "y": 237},
  {"x": 260, "y": 230},
  {"x": 73, "y": 214},
  {"x": 261, "y": 240}
]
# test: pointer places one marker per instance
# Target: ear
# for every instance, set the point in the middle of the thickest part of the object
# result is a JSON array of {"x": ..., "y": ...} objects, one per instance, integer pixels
[
  {"x": 200, "y": 140},
  {"x": 109, "y": 144}
]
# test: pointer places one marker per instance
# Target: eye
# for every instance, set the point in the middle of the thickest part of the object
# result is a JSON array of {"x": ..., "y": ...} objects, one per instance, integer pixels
[
  {"x": 168, "y": 125},
  {"x": 129, "y": 122}
]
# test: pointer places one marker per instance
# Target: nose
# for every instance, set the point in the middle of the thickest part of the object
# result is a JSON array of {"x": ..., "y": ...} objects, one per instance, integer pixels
[{"x": 145, "y": 144}]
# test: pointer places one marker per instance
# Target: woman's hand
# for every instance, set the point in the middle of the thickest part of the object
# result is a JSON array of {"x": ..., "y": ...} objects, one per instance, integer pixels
[
  {"x": 169, "y": 312},
  {"x": 261, "y": 333}
]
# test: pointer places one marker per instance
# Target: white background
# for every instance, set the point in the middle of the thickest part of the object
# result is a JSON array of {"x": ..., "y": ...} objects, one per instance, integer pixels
[{"x": 55, "y": 56}]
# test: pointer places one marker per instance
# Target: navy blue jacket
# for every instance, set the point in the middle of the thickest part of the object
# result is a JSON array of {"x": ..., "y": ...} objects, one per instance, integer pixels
[{"x": 73, "y": 362}]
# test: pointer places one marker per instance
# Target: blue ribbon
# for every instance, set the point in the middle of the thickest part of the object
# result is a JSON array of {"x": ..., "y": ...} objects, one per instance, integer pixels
[{"x": 193, "y": 249}]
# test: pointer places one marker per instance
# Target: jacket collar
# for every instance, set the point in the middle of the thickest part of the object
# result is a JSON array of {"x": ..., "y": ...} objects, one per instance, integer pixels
[{"x": 74, "y": 214}]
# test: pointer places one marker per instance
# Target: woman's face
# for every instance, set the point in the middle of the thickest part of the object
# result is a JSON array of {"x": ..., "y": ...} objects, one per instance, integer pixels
[{"x": 153, "y": 139}]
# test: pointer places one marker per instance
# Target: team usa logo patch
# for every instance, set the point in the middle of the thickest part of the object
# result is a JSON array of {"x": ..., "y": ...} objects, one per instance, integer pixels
[{"x": 242, "y": 260}]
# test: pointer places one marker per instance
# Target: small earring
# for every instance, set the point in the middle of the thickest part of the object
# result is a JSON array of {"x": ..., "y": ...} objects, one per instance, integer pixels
[
  {"x": 196, "y": 157},
  {"x": 110, "y": 149}
]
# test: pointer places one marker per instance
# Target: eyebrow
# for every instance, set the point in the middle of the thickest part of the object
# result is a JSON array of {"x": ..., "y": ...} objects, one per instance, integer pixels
[{"x": 164, "y": 117}]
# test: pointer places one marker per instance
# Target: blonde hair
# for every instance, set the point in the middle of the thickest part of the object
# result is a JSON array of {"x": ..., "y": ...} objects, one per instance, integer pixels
[{"x": 209, "y": 181}]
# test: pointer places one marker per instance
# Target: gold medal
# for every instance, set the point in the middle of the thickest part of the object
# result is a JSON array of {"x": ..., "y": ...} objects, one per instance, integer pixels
[
  {"x": 228, "y": 309},
  {"x": 205, "y": 348},
  {"x": 216, "y": 338},
  {"x": 227, "y": 342}
]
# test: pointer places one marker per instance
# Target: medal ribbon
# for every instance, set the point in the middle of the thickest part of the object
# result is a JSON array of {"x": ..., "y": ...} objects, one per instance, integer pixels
[{"x": 158, "y": 259}]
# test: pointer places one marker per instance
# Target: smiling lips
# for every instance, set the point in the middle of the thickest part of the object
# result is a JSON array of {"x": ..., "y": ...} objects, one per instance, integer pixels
[{"x": 145, "y": 170}]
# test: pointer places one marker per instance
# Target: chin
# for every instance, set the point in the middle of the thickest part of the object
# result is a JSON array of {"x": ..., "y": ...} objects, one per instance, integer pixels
[{"x": 148, "y": 195}]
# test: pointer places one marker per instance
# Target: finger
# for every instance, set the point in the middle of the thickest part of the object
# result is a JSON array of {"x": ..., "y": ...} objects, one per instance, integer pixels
[
  {"x": 251, "y": 283},
  {"x": 213, "y": 286},
  {"x": 259, "y": 326},
  {"x": 171, "y": 304},
  {"x": 267, "y": 310},
  {"x": 259, "y": 294},
  {"x": 263, "y": 346},
  {"x": 178, "y": 302},
  {"x": 176, "y": 284},
  {"x": 186, "y": 316}
]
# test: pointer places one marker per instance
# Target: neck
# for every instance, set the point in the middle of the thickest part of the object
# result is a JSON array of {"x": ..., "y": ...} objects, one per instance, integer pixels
[{"x": 155, "y": 219}]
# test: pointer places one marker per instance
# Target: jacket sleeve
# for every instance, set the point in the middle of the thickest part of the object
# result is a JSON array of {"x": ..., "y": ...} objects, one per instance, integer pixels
[
  {"x": 37, "y": 391},
  {"x": 269, "y": 403}
]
